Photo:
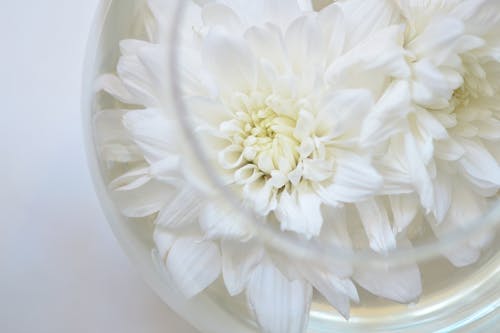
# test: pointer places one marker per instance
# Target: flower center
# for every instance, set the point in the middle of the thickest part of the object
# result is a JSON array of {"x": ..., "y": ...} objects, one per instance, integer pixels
[
  {"x": 265, "y": 136},
  {"x": 461, "y": 97}
]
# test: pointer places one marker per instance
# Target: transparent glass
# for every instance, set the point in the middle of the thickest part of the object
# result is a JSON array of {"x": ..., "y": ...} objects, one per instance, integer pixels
[{"x": 454, "y": 299}]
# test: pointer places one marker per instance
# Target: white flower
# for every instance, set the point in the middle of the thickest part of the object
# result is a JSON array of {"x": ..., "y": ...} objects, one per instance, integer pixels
[{"x": 444, "y": 145}]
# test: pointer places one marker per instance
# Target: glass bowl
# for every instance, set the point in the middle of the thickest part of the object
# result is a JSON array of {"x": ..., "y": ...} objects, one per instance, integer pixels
[{"x": 454, "y": 299}]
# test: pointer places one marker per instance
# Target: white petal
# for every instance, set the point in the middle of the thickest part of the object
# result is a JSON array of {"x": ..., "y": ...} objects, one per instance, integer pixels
[
  {"x": 462, "y": 255},
  {"x": 219, "y": 220},
  {"x": 300, "y": 211},
  {"x": 338, "y": 292},
  {"x": 398, "y": 283},
  {"x": 163, "y": 240},
  {"x": 263, "y": 196},
  {"x": 448, "y": 149},
  {"x": 167, "y": 170},
  {"x": 335, "y": 237},
  {"x": 183, "y": 209},
  {"x": 131, "y": 180},
  {"x": 121, "y": 153},
  {"x": 355, "y": 180},
  {"x": 388, "y": 116},
  {"x": 139, "y": 80},
  {"x": 216, "y": 14},
  {"x": 375, "y": 14},
  {"x": 371, "y": 63},
  {"x": 193, "y": 265},
  {"x": 418, "y": 172},
  {"x": 479, "y": 165},
  {"x": 109, "y": 125},
  {"x": 130, "y": 47},
  {"x": 152, "y": 132},
  {"x": 208, "y": 111},
  {"x": 231, "y": 157},
  {"x": 335, "y": 227},
  {"x": 331, "y": 20},
  {"x": 268, "y": 43},
  {"x": 260, "y": 12},
  {"x": 239, "y": 260},
  {"x": 443, "y": 195},
  {"x": 113, "y": 140},
  {"x": 114, "y": 86},
  {"x": 305, "y": 5},
  {"x": 303, "y": 43},
  {"x": 305, "y": 125},
  {"x": 343, "y": 110},
  {"x": 280, "y": 305},
  {"x": 377, "y": 225},
  {"x": 466, "y": 207},
  {"x": 395, "y": 173},
  {"x": 489, "y": 129},
  {"x": 145, "y": 200},
  {"x": 230, "y": 61},
  {"x": 401, "y": 284},
  {"x": 404, "y": 209},
  {"x": 438, "y": 39},
  {"x": 431, "y": 87},
  {"x": 429, "y": 124}
]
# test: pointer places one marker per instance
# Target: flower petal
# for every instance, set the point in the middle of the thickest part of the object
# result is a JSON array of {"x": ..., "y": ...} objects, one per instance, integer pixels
[
  {"x": 375, "y": 14},
  {"x": 331, "y": 20},
  {"x": 239, "y": 260},
  {"x": 142, "y": 83},
  {"x": 143, "y": 201},
  {"x": 163, "y": 240},
  {"x": 260, "y": 12},
  {"x": 465, "y": 208},
  {"x": 443, "y": 194},
  {"x": 193, "y": 264},
  {"x": 388, "y": 116},
  {"x": 338, "y": 292},
  {"x": 230, "y": 61},
  {"x": 448, "y": 149},
  {"x": 377, "y": 225},
  {"x": 303, "y": 43},
  {"x": 404, "y": 209},
  {"x": 438, "y": 39},
  {"x": 152, "y": 132},
  {"x": 263, "y": 196},
  {"x": 280, "y": 305},
  {"x": 355, "y": 180},
  {"x": 112, "y": 85},
  {"x": 131, "y": 180},
  {"x": 112, "y": 138},
  {"x": 418, "y": 172},
  {"x": 398, "y": 283},
  {"x": 479, "y": 166},
  {"x": 371, "y": 63},
  {"x": 300, "y": 211},
  {"x": 268, "y": 42},
  {"x": 208, "y": 111},
  {"x": 343, "y": 109},
  {"x": 216, "y": 14},
  {"x": 219, "y": 220},
  {"x": 183, "y": 209}
]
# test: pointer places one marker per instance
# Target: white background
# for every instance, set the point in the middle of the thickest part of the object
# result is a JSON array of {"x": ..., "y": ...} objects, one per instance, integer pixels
[{"x": 61, "y": 269}]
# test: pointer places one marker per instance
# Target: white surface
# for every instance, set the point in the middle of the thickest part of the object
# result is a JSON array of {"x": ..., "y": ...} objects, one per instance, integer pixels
[{"x": 61, "y": 269}]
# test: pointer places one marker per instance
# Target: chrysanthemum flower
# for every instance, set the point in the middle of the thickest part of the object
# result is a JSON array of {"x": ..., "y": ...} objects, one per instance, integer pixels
[{"x": 443, "y": 147}]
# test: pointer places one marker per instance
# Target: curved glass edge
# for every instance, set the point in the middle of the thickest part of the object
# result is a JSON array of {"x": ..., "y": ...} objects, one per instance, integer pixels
[{"x": 193, "y": 311}]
